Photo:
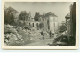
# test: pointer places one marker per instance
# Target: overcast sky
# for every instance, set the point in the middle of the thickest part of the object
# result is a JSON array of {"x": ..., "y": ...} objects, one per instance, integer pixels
[{"x": 58, "y": 8}]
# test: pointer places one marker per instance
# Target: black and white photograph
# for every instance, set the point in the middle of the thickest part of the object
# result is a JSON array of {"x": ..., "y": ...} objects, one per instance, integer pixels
[{"x": 40, "y": 24}]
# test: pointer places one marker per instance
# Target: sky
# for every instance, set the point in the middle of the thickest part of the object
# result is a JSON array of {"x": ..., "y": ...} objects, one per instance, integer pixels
[{"x": 58, "y": 8}]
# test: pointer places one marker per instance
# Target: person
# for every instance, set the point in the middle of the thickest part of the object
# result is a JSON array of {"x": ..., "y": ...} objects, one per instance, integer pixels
[
  {"x": 50, "y": 34},
  {"x": 42, "y": 34}
]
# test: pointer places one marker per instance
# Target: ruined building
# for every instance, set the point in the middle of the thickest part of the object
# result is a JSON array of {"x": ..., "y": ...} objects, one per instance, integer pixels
[
  {"x": 46, "y": 22},
  {"x": 71, "y": 24}
]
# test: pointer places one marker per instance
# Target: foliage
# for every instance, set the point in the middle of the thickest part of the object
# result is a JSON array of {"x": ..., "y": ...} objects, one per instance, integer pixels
[
  {"x": 9, "y": 15},
  {"x": 41, "y": 25},
  {"x": 36, "y": 17},
  {"x": 62, "y": 28},
  {"x": 23, "y": 15}
]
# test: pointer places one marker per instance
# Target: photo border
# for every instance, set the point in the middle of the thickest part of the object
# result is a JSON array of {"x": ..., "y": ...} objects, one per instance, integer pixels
[{"x": 42, "y": 47}]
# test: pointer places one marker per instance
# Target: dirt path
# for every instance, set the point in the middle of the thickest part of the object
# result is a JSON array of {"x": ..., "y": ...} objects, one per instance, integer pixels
[{"x": 41, "y": 42}]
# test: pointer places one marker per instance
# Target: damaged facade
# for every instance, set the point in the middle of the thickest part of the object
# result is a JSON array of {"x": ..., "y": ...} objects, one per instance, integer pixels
[{"x": 46, "y": 22}]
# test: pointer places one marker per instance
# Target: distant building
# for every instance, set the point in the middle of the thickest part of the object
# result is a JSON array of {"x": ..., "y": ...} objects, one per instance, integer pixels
[
  {"x": 50, "y": 22},
  {"x": 71, "y": 24},
  {"x": 46, "y": 22}
]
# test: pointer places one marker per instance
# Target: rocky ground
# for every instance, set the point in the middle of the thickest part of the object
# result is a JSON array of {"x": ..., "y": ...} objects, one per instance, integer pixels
[{"x": 22, "y": 37}]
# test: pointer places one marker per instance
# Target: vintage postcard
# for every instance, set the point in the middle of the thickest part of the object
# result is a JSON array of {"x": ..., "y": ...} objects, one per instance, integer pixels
[{"x": 40, "y": 24}]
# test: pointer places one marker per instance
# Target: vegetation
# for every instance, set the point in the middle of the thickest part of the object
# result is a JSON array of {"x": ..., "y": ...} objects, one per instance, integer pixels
[
  {"x": 36, "y": 16},
  {"x": 62, "y": 28},
  {"x": 9, "y": 15}
]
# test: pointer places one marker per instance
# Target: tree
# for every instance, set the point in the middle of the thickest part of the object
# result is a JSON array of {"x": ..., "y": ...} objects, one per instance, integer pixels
[
  {"x": 23, "y": 15},
  {"x": 62, "y": 28},
  {"x": 41, "y": 25},
  {"x": 9, "y": 15},
  {"x": 36, "y": 17}
]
